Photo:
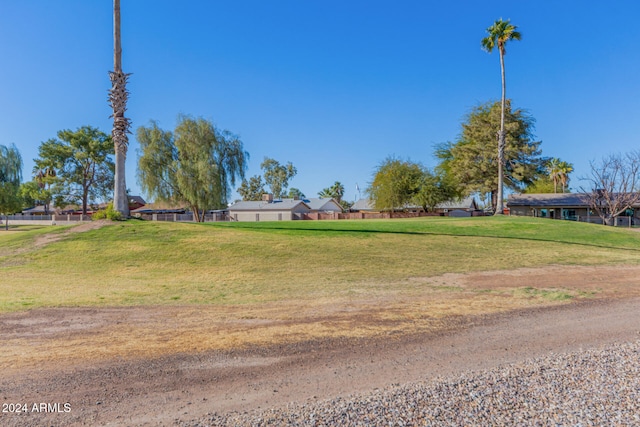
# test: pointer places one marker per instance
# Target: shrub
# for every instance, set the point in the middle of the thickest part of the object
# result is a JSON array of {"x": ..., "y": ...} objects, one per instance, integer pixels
[{"x": 108, "y": 213}]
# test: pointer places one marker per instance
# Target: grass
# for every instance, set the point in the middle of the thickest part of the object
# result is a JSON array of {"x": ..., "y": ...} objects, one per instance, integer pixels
[
  {"x": 149, "y": 263},
  {"x": 198, "y": 287}
]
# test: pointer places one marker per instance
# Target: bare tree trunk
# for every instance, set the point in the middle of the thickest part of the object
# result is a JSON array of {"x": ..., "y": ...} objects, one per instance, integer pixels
[
  {"x": 501, "y": 142},
  {"x": 118, "y": 99}
]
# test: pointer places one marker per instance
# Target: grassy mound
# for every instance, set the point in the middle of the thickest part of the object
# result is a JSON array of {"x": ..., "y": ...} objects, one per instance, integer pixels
[{"x": 146, "y": 263}]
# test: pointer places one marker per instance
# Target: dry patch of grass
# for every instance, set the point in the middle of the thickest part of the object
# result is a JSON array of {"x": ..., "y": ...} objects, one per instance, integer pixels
[{"x": 76, "y": 335}]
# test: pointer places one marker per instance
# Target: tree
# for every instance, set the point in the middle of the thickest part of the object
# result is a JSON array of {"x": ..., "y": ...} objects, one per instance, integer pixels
[
  {"x": 80, "y": 164},
  {"x": 33, "y": 194},
  {"x": 197, "y": 164},
  {"x": 10, "y": 177},
  {"x": 295, "y": 193},
  {"x": 558, "y": 171},
  {"x": 395, "y": 183},
  {"x": 118, "y": 95},
  {"x": 472, "y": 163},
  {"x": 277, "y": 176},
  {"x": 434, "y": 188},
  {"x": 336, "y": 191},
  {"x": 553, "y": 168},
  {"x": 541, "y": 184},
  {"x": 252, "y": 189},
  {"x": 565, "y": 169},
  {"x": 615, "y": 185},
  {"x": 499, "y": 34}
]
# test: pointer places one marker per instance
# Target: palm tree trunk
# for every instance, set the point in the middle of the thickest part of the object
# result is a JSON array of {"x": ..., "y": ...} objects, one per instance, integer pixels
[
  {"x": 118, "y": 99},
  {"x": 501, "y": 142}
]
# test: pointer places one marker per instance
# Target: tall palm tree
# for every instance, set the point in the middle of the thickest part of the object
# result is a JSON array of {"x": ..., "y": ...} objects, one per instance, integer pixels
[
  {"x": 554, "y": 171},
  {"x": 338, "y": 191},
  {"x": 565, "y": 169},
  {"x": 118, "y": 95},
  {"x": 499, "y": 34}
]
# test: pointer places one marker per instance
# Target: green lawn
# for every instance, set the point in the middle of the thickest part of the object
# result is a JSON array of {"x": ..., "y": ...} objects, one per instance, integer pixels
[{"x": 147, "y": 263}]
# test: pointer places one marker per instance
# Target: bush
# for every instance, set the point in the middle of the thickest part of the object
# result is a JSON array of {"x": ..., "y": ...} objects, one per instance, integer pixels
[{"x": 108, "y": 213}]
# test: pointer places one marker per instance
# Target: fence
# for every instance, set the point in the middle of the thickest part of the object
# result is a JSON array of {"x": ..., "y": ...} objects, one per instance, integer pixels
[
  {"x": 45, "y": 219},
  {"x": 184, "y": 217}
]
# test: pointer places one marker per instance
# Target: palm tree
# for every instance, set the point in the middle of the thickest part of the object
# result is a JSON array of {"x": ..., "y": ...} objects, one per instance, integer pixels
[
  {"x": 553, "y": 169},
  {"x": 118, "y": 95},
  {"x": 565, "y": 169},
  {"x": 499, "y": 34},
  {"x": 336, "y": 191}
]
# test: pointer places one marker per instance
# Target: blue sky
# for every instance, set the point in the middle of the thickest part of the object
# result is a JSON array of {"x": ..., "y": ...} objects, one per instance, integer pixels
[{"x": 334, "y": 86}]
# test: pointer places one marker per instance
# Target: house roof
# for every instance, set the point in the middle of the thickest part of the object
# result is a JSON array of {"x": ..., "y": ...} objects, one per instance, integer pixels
[
  {"x": 323, "y": 204},
  {"x": 39, "y": 209},
  {"x": 159, "y": 208},
  {"x": 362, "y": 205},
  {"x": 137, "y": 199},
  {"x": 466, "y": 203},
  {"x": 276, "y": 205},
  {"x": 549, "y": 199}
]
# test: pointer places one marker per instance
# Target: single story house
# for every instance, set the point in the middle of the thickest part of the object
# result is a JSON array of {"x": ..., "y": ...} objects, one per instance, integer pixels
[
  {"x": 268, "y": 210},
  {"x": 568, "y": 206},
  {"x": 460, "y": 207},
  {"x": 363, "y": 205},
  {"x": 319, "y": 204}
]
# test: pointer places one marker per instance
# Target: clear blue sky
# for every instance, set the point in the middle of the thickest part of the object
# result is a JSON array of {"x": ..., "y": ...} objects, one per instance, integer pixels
[{"x": 334, "y": 86}]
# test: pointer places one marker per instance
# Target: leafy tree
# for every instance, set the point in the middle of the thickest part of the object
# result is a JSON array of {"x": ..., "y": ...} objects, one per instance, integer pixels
[
  {"x": 197, "y": 164},
  {"x": 336, "y": 191},
  {"x": 498, "y": 35},
  {"x": 434, "y": 188},
  {"x": 395, "y": 183},
  {"x": 472, "y": 162},
  {"x": 615, "y": 185},
  {"x": 10, "y": 177},
  {"x": 33, "y": 194},
  {"x": 252, "y": 189},
  {"x": 295, "y": 193},
  {"x": 81, "y": 164},
  {"x": 542, "y": 184},
  {"x": 118, "y": 95},
  {"x": 277, "y": 176}
]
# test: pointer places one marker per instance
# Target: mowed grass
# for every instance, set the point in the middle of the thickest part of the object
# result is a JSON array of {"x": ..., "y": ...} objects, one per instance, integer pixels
[{"x": 151, "y": 263}]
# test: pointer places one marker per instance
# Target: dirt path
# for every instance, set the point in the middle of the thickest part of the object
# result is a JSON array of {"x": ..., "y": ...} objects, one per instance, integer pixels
[{"x": 161, "y": 391}]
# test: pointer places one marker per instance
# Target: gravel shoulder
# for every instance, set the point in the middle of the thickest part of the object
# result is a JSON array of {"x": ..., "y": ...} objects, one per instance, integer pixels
[{"x": 186, "y": 387}]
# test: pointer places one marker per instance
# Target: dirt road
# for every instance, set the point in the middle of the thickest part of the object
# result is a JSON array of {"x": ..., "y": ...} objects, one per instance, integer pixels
[{"x": 162, "y": 390}]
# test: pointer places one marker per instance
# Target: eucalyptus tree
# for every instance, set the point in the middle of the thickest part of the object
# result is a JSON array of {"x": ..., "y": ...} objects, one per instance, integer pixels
[
  {"x": 296, "y": 193},
  {"x": 277, "y": 176},
  {"x": 498, "y": 35},
  {"x": 118, "y": 96},
  {"x": 196, "y": 165},
  {"x": 10, "y": 177},
  {"x": 252, "y": 190},
  {"x": 78, "y": 164}
]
